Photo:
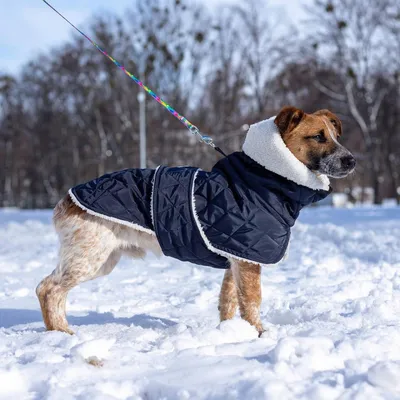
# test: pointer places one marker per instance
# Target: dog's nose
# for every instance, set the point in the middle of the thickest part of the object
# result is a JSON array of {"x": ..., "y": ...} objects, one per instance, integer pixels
[{"x": 348, "y": 162}]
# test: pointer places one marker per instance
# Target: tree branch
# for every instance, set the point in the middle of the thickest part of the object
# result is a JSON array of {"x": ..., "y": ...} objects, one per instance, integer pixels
[
  {"x": 356, "y": 114},
  {"x": 333, "y": 95},
  {"x": 375, "y": 109}
]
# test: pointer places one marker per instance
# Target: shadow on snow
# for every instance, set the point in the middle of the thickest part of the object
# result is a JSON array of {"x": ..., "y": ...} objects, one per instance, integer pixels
[{"x": 12, "y": 317}]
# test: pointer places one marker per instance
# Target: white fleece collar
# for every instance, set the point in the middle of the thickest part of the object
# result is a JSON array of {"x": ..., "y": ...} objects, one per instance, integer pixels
[{"x": 264, "y": 144}]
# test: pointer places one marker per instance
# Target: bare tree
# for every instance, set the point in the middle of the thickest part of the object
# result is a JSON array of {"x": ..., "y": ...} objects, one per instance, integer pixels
[
  {"x": 353, "y": 39},
  {"x": 72, "y": 115},
  {"x": 268, "y": 47}
]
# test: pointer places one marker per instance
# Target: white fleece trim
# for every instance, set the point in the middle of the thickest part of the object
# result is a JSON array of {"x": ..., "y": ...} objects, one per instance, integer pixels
[
  {"x": 118, "y": 221},
  {"x": 203, "y": 235},
  {"x": 264, "y": 144},
  {"x": 152, "y": 196}
]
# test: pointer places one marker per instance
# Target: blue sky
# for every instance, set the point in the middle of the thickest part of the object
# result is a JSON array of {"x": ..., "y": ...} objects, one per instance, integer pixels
[{"x": 28, "y": 27}]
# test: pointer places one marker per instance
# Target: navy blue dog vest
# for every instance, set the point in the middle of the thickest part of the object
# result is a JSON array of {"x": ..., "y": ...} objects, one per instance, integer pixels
[{"x": 239, "y": 210}]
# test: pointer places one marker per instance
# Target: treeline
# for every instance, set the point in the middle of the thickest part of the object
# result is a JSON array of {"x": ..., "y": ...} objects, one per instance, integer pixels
[{"x": 71, "y": 115}]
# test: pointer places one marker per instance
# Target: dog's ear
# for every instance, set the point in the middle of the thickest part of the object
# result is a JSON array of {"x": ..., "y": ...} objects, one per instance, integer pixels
[
  {"x": 335, "y": 121},
  {"x": 288, "y": 118}
]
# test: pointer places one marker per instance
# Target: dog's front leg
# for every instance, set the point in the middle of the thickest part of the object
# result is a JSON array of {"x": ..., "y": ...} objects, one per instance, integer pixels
[
  {"x": 228, "y": 298},
  {"x": 247, "y": 277}
]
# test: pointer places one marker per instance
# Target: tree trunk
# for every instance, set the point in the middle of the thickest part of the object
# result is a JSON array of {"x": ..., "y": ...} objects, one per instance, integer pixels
[
  {"x": 374, "y": 176},
  {"x": 394, "y": 182},
  {"x": 376, "y": 186}
]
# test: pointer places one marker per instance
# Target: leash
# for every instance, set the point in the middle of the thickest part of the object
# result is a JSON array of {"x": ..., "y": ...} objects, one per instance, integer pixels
[{"x": 192, "y": 128}]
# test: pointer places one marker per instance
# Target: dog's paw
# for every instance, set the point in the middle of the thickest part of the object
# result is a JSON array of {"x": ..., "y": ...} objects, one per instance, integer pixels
[
  {"x": 69, "y": 331},
  {"x": 260, "y": 330},
  {"x": 62, "y": 329},
  {"x": 96, "y": 362}
]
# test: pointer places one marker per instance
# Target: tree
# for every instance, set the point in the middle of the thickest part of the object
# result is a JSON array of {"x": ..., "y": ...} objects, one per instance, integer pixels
[
  {"x": 354, "y": 38},
  {"x": 72, "y": 115},
  {"x": 267, "y": 48}
]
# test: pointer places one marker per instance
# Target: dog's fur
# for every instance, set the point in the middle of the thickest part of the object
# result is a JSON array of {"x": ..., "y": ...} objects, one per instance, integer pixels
[{"x": 91, "y": 246}]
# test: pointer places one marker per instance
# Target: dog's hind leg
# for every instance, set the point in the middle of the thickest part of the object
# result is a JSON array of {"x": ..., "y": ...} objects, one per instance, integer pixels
[
  {"x": 247, "y": 277},
  {"x": 72, "y": 270},
  {"x": 89, "y": 249},
  {"x": 228, "y": 298}
]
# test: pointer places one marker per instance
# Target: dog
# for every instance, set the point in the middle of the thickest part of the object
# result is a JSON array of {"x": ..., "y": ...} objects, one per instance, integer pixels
[{"x": 257, "y": 194}]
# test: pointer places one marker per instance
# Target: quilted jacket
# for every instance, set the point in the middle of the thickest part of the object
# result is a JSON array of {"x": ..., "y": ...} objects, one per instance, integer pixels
[
  {"x": 242, "y": 209},
  {"x": 123, "y": 197}
]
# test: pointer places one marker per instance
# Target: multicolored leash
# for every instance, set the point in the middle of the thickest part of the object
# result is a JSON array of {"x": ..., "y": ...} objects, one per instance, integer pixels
[{"x": 192, "y": 128}]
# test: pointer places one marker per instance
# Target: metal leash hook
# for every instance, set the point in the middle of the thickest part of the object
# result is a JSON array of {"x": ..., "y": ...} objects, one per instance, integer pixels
[
  {"x": 192, "y": 128},
  {"x": 205, "y": 139}
]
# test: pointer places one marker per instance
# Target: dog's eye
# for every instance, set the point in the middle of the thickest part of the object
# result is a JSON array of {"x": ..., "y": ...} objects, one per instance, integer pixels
[{"x": 320, "y": 138}]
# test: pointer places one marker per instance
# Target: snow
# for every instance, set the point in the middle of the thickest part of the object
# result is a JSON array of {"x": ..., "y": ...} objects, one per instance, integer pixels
[{"x": 150, "y": 330}]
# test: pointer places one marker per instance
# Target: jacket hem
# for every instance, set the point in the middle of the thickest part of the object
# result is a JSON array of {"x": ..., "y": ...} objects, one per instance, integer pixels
[
  {"x": 152, "y": 197},
  {"x": 106, "y": 217},
  {"x": 203, "y": 235}
]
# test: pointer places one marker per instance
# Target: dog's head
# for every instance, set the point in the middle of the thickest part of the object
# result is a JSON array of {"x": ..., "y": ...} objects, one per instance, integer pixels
[{"x": 313, "y": 139}]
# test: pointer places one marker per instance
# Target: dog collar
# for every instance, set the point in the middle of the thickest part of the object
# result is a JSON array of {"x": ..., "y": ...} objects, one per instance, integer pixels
[{"x": 264, "y": 144}]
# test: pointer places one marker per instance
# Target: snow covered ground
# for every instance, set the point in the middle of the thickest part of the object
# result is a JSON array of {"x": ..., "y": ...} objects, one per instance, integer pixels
[{"x": 332, "y": 313}]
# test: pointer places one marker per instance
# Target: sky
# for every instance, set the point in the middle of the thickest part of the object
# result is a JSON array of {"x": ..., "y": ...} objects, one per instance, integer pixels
[{"x": 29, "y": 27}]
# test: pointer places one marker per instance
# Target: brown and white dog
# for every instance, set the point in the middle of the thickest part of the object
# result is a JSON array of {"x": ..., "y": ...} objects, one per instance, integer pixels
[{"x": 91, "y": 246}]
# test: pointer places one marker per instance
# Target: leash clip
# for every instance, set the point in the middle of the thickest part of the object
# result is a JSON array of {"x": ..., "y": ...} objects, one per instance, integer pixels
[{"x": 202, "y": 138}]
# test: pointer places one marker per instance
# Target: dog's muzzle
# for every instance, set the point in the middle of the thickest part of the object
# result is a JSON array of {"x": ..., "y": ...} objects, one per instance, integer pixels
[{"x": 338, "y": 164}]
